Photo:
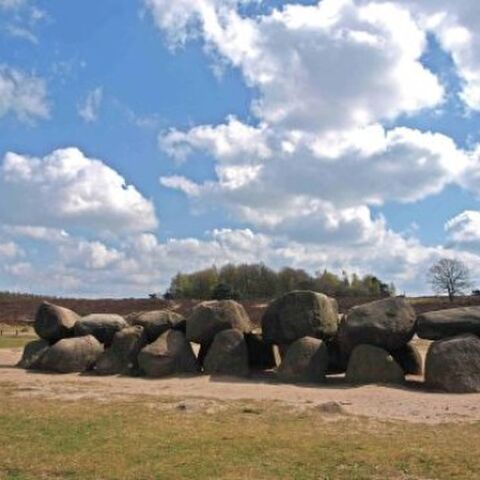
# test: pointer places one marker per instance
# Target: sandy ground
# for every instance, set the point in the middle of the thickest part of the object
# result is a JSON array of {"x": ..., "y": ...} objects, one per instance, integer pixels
[{"x": 410, "y": 403}]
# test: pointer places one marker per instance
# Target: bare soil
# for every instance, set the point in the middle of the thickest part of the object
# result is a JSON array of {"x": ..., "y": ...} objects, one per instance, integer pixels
[{"x": 411, "y": 403}]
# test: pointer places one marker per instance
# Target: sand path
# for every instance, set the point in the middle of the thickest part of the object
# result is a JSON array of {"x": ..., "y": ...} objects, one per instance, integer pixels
[{"x": 410, "y": 403}]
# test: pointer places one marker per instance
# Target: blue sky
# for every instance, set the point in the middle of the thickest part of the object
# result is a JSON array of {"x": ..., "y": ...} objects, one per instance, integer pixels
[{"x": 141, "y": 138}]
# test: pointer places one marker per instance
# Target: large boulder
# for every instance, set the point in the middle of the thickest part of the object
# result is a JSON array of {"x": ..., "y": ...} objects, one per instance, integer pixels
[
  {"x": 299, "y": 314},
  {"x": 52, "y": 322},
  {"x": 71, "y": 355},
  {"x": 121, "y": 357},
  {"x": 370, "y": 364},
  {"x": 448, "y": 323},
  {"x": 157, "y": 322},
  {"x": 171, "y": 353},
  {"x": 306, "y": 360},
  {"x": 103, "y": 326},
  {"x": 209, "y": 318},
  {"x": 387, "y": 323},
  {"x": 261, "y": 355},
  {"x": 228, "y": 355},
  {"x": 453, "y": 364},
  {"x": 409, "y": 358},
  {"x": 32, "y": 353}
]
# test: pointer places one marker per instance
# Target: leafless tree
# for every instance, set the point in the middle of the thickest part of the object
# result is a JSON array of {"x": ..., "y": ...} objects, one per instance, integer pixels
[{"x": 451, "y": 276}]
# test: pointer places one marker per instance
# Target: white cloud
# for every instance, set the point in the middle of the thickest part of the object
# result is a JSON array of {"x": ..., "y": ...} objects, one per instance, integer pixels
[
  {"x": 326, "y": 77},
  {"x": 67, "y": 189},
  {"x": 464, "y": 230},
  {"x": 324, "y": 74},
  {"x": 9, "y": 250},
  {"x": 36, "y": 233},
  {"x": 455, "y": 24},
  {"x": 327, "y": 66},
  {"x": 92, "y": 255},
  {"x": 300, "y": 179},
  {"x": 140, "y": 264},
  {"x": 228, "y": 141},
  {"x": 11, "y": 4},
  {"x": 22, "y": 33},
  {"x": 90, "y": 108},
  {"x": 22, "y": 94}
]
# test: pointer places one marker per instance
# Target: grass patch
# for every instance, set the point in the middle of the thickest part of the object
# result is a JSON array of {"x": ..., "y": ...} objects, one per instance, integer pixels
[
  {"x": 131, "y": 440},
  {"x": 12, "y": 341}
]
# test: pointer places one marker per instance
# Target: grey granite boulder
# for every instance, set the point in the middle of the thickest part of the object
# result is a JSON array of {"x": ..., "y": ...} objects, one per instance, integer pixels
[
  {"x": 306, "y": 360},
  {"x": 71, "y": 355},
  {"x": 32, "y": 353},
  {"x": 52, "y": 322},
  {"x": 453, "y": 364},
  {"x": 121, "y": 357},
  {"x": 171, "y": 353},
  {"x": 388, "y": 324},
  {"x": 157, "y": 322},
  {"x": 103, "y": 326},
  {"x": 299, "y": 314},
  {"x": 448, "y": 323},
  {"x": 228, "y": 355},
  {"x": 209, "y": 318},
  {"x": 370, "y": 364}
]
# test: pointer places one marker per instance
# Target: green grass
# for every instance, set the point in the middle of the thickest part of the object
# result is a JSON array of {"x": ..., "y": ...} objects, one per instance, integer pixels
[
  {"x": 12, "y": 341},
  {"x": 136, "y": 440}
]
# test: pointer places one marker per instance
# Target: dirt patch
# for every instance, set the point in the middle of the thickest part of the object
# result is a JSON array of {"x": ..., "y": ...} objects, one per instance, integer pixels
[{"x": 411, "y": 403}]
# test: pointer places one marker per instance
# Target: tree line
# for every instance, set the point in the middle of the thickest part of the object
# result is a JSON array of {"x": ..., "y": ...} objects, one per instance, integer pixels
[{"x": 249, "y": 281}]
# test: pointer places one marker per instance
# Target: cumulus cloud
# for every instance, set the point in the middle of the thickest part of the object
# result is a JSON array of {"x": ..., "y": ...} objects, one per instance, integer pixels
[
  {"x": 327, "y": 80},
  {"x": 92, "y": 255},
  {"x": 286, "y": 179},
  {"x": 464, "y": 230},
  {"x": 9, "y": 250},
  {"x": 327, "y": 66},
  {"x": 23, "y": 95},
  {"x": 36, "y": 233},
  {"x": 68, "y": 189},
  {"x": 89, "y": 109},
  {"x": 327, "y": 77},
  {"x": 140, "y": 264},
  {"x": 455, "y": 25},
  {"x": 228, "y": 141}
]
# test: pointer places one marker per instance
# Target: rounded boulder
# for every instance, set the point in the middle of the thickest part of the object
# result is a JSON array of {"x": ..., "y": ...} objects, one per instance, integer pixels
[
  {"x": 71, "y": 355},
  {"x": 209, "y": 318},
  {"x": 228, "y": 355},
  {"x": 171, "y": 353},
  {"x": 453, "y": 364},
  {"x": 103, "y": 326},
  {"x": 32, "y": 353},
  {"x": 387, "y": 323},
  {"x": 52, "y": 322},
  {"x": 448, "y": 323},
  {"x": 306, "y": 360},
  {"x": 299, "y": 314},
  {"x": 370, "y": 364},
  {"x": 157, "y": 322},
  {"x": 121, "y": 357}
]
